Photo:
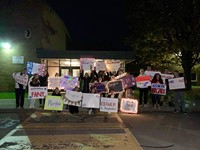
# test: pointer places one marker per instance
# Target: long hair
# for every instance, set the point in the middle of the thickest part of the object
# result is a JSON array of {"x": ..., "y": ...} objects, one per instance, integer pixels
[{"x": 155, "y": 80}]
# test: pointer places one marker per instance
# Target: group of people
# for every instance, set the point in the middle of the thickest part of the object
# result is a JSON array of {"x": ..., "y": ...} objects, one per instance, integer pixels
[{"x": 86, "y": 86}]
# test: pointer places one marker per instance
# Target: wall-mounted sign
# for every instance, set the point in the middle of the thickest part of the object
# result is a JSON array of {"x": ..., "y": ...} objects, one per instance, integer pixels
[{"x": 18, "y": 59}]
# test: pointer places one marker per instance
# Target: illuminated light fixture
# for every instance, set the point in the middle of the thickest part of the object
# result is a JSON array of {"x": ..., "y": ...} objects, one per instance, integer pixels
[
  {"x": 129, "y": 105},
  {"x": 6, "y": 45}
]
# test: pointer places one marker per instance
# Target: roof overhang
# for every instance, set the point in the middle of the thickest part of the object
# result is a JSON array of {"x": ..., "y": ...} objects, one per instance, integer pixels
[{"x": 77, "y": 54}]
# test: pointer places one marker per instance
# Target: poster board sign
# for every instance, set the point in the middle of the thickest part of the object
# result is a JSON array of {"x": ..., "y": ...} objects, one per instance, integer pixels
[
  {"x": 159, "y": 89},
  {"x": 113, "y": 65},
  {"x": 109, "y": 104},
  {"x": 91, "y": 100},
  {"x": 100, "y": 87},
  {"x": 143, "y": 81},
  {"x": 53, "y": 103},
  {"x": 151, "y": 73},
  {"x": 18, "y": 59},
  {"x": 33, "y": 68},
  {"x": 87, "y": 63},
  {"x": 21, "y": 79},
  {"x": 117, "y": 86},
  {"x": 177, "y": 83},
  {"x": 166, "y": 76},
  {"x": 128, "y": 81},
  {"x": 73, "y": 98},
  {"x": 129, "y": 105},
  {"x": 100, "y": 65},
  {"x": 37, "y": 92},
  {"x": 54, "y": 82},
  {"x": 68, "y": 82}
]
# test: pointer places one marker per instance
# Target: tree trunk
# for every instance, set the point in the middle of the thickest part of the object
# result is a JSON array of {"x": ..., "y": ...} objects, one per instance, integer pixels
[{"x": 187, "y": 73}]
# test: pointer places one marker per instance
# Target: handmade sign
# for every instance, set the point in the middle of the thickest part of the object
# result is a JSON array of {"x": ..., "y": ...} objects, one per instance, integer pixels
[
  {"x": 113, "y": 65},
  {"x": 87, "y": 63},
  {"x": 33, "y": 68},
  {"x": 143, "y": 81},
  {"x": 176, "y": 83},
  {"x": 37, "y": 92},
  {"x": 100, "y": 86},
  {"x": 117, "y": 86},
  {"x": 151, "y": 73},
  {"x": 53, "y": 103},
  {"x": 129, "y": 105},
  {"x": 109, "y": 104},
  {"x": 128, "y": 81},
  {"x": 91, "y": 100},
  {"x": 54, "y": 82},
  {"x": 159, "y": 89},
  {"x": 166, "y": 76},
  {"x": 22, "y": 79},
  {"x": 73, "y": 98},
  {"x": 68, "y": 82},
  {"x": 100, "y": 65}
]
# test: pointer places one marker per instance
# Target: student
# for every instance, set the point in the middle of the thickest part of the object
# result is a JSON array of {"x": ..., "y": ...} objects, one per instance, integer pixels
[
  {"x": 20, "y": 89},
  {"x": 56, "y": 92},
  {"x": 74, "y": 109},
  {"x": 92, "y": 110},
  {"x": 34, "y": 81}
]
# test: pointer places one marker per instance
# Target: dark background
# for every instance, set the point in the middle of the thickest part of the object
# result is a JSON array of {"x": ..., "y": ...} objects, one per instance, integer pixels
[{"x": 93, "y": 24}]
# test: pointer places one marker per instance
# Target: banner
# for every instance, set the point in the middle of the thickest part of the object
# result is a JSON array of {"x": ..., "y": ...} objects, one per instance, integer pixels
[
  {"x": 100, "y": 87},
  {"x": 117, "y": 86},
  {"x": 159, "y": 89},
  {"x": 53, "y": 103},
  {"x": 113, "y": 65},
  {"x": 151, "y": 73},
  {"x": 100, "y": 65},
  {"x": 143, "y": 81},
  {"x": 54, "y": 82},
  {"x": 109, "y": 104},
  {"x": 91, "y": 100},
  {"x": 21, "y": 79},
  {"x": 177, "y": 83},
  {"x": 129, "y": 105},
  {"x": 73, "y": 98},
  {"x": 37, "y": 92},
  {"x": 33, "y": 68},
  {"x": 68, "y": 82},
  {"x": 87, "y": 63}
]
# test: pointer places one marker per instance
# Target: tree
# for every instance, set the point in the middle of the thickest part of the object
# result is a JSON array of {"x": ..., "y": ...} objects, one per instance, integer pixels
[{"x": 166, "y": 31}]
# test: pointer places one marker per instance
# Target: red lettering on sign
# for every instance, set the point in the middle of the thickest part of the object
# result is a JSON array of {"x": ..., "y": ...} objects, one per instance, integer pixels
[{"x": 37, "y": 94}]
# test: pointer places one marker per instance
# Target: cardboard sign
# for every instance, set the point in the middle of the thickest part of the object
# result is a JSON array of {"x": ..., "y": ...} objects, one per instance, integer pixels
[
  {"x": 68, "y": 82},
  {"x": 91, "y": 100},
  {"x": 21, "y": 79},
  {"x": 33, "y": 68},
  {"x": 109, "y": 104},
  {"x": 128, "y": 81},
  {"x": 53, "y": 103},
  {"x": 151, "y": 73},
  {"x": 100, "y": 65},
  {"x": 129, "y": 105},
  {"x": 177, "y": 83},
  {"x": 117, "y": 86},
  {"x": 166, "y": 76},
  {"x": 100, "y": 87},
  {"x": 113, "y": 65},
  {"x": 87, "y": 63},
  {"x": 54, "y": 82},
  {"x": 73, "y": 98},
  {"x": 143, "y": 81},
  {"x": 37, "y": 92},
  {"x": 159, "y": 89}
]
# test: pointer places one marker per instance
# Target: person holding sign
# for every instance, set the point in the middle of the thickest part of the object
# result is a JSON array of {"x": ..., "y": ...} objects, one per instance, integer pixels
[
  {"x": 34, "y": 81},
  {"x": 178, "y": 97},
  {"x": 21, "y": 80},
  {"x": 56, "y": 92},
  {"x": 156, "y": 99},
  {"x": 74, "y": 109}
]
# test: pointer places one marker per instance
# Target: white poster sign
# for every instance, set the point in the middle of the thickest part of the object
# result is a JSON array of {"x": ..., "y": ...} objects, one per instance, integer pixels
[
  {"x": 87, "y": 63},
  {"x": 151, "y": 73},
  {"x": 21, "y": 79},
  {"x": 73, "y": 98},
  {"x": 54, "y": 82},
  {"x": 53, "y": 103},
  {"x": 37, "y": 92},
  {"x": 91, "y": 100},
  {"x": 18, "y": 59},
  {"x": 100, "y": 65},
  {"x": 177, "y": 83},
  {"x": 166, "y": 76},
  {"x": 113, "y": 65},
  {"x": 33, "y": 68},
  {"x": 129, "y": 105},
  {"x": 109, "y": 104}
]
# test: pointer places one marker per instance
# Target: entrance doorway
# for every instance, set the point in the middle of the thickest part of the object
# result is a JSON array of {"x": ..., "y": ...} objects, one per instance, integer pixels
[{"x": 70, "y": 71}]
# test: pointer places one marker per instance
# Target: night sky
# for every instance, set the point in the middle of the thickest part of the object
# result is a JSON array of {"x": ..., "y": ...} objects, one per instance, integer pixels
[{"x": 93, "y": 24}]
